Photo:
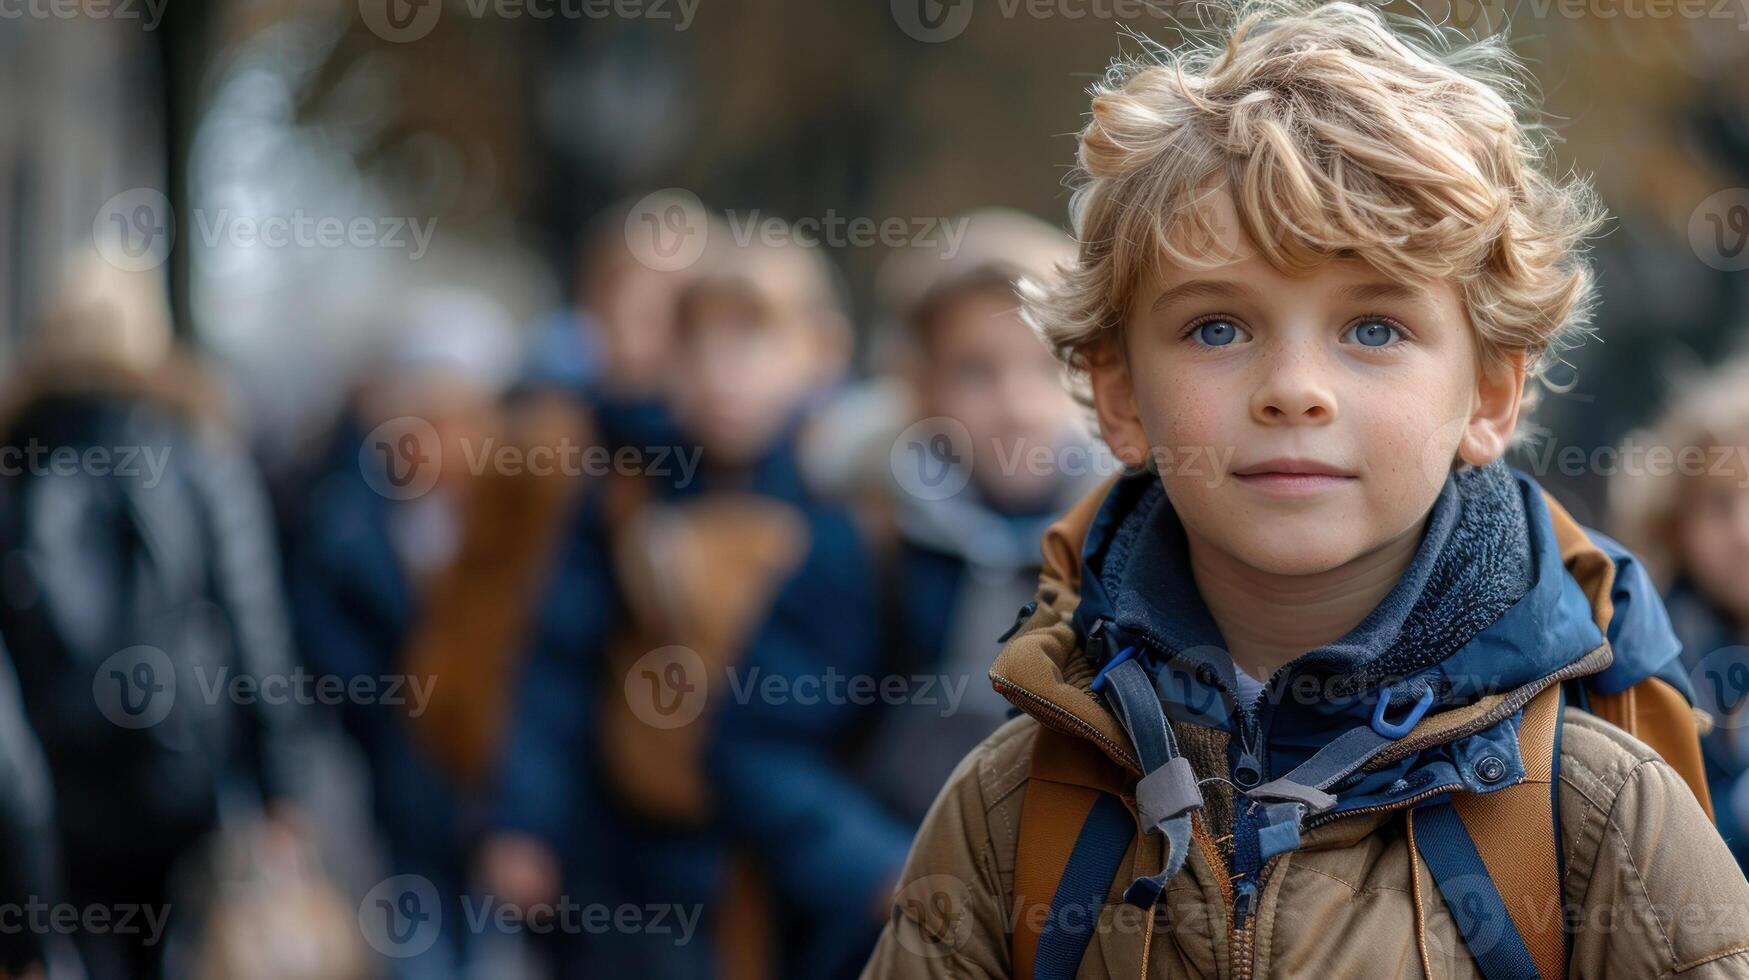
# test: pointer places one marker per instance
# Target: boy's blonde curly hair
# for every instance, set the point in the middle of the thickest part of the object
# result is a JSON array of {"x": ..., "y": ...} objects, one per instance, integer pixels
[{"x": 1337, "y": 132}]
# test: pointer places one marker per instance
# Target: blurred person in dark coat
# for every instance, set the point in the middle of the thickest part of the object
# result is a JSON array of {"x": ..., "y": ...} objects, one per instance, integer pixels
[
  {"x": 379, "y": 535},
  {"x": 1681, "y": 500},
  {"x": 979, "y": 452},
  {"x": 603, "y": 800},
  {"x": 137, "y": 591},
  {"x": 29, "y": 860}
]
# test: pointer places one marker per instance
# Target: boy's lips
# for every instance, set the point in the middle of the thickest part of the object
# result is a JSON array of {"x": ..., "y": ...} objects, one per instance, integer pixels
[{"x": 1288, "y": 477}]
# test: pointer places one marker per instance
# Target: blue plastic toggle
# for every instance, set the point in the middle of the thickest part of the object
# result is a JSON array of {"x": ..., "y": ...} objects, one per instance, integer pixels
[{"x": 1400, "y": 729}]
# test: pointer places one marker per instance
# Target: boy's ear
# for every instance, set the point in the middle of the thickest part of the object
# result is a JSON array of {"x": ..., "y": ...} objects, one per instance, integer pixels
[
  {"x": 1114, "y": 403},
  {"x": 1499, "y": 394}
]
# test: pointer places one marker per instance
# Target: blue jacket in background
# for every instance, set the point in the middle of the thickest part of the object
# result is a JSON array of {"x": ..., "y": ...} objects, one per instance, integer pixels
[{"x": 552, "y": 782}]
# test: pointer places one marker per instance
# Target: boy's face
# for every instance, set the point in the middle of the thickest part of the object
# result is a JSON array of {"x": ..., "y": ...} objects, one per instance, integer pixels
[
  {"x": 1714, "y": 538},
  {"x": 463, "y": 415},
  {"x": 634, "y": 310},
  {"x": 986, "y": 369},
  {"x": 744, "y": 364},
  {"x": 1300, "y": 423}
]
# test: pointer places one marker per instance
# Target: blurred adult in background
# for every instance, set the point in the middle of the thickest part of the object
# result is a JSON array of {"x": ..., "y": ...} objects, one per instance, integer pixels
[
  {"x": 604, "y": 798},
  {"x": 981, "y": 451},
  {"x": 137, "y": 580},
  {"x": 1681, "y": 501},
  {"x": 381, "y": 532}
]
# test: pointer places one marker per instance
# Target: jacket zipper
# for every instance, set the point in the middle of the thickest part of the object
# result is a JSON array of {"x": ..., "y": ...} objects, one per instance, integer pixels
[
  {"x": 1245, "y": 940},
  {"x": 1241, "y": 904},
  {"x": 1244, "y": 937}
]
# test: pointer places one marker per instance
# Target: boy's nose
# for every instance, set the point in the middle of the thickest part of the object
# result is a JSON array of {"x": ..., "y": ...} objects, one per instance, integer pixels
[{"x": 1293, "y": 392}]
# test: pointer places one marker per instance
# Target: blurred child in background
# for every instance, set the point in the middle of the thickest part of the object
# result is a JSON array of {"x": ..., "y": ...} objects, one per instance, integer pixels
[
  {"x": 613, "y": 348},
  {"x": 1688, "y": 518},
  {"x": 602, "y": 797},
  {"x": 592, "y": 383},
  {"x": 829, "y": 790},
  {"x": 380, "y": 531}
]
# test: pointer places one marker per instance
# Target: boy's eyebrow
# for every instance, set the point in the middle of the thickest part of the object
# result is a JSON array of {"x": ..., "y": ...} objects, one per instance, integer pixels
[
  {"x": 1359, "y": 292},
  {"x": 1387, "y": 289},
  {"x": 1202, "y": 287}
]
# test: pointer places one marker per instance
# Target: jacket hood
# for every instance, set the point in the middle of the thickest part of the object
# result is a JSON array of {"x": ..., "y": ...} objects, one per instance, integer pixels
[{"x": 1505, "y": 596}]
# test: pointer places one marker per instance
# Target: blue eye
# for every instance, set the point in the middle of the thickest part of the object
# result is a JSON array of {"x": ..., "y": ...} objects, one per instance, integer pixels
[
  {"x": 1373, "y": 333},
  {"x": 1217, "y": 333}
]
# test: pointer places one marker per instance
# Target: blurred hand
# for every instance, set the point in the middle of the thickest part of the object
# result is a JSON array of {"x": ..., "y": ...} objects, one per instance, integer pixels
[{"x": 520, "y": 870}]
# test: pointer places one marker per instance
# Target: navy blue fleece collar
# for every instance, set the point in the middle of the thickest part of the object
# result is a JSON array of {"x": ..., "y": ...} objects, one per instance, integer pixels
[
  {"x": 1473, "y": 561},
  {"x": 1485, "y": 605}
]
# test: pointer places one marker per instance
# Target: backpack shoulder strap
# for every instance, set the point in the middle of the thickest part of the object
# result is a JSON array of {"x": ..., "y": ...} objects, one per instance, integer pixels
[
  {"x": 1497, "y": 860},
  {"x": 1075, "y": 830}
]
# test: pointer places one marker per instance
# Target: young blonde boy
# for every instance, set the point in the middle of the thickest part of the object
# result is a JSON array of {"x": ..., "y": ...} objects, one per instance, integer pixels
[{"x": 1299, "y": 707}]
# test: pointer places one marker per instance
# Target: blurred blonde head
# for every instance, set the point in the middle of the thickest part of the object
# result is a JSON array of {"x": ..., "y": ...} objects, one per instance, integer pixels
[
  {"x": 1663, "y": 514},
  {"x": 999, "y": 249},
  {"x": 760, "y": 329},
  {"x": 104, "y": 318},
  {"x": 974, "y": 360},
  {"x": 1336, "y": 133}
]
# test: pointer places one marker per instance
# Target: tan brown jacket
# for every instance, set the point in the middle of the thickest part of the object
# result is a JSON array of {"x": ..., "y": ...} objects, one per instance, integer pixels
[{"x": 1651, "y": 887}]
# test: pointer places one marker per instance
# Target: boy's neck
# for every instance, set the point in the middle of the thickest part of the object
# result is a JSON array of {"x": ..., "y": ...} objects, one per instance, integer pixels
[{"x": 1268, "y": 619}]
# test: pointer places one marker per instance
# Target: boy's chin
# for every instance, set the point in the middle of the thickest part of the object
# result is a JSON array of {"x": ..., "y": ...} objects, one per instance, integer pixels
[{"x": 1293, "y": 550}]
